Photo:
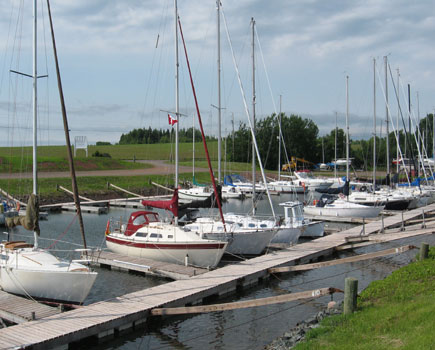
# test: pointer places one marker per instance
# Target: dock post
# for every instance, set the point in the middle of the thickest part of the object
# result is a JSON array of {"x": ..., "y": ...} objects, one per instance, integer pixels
[
  {"x": 382, "y": 224},
  {"x": 423, "y": 224},
  {"x": 350, "y": 295},
  {"x": 403, "y": 224},
  {"x": 364, "y": 226},
  {"x": 424, "y": 250},
  {"x": 33, "y": 316}
]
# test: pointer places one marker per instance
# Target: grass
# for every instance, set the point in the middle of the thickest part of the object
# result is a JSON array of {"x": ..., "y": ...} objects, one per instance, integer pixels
[
  {"x": 17, "y": 164},
  {"x": 93, "y": 186},
  {"x": 145, "y": 152},
  {"x": 395, "y": 313}
]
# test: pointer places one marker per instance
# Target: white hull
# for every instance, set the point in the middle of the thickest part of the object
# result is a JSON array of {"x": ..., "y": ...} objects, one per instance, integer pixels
[
  {"x": 41, "y": 275},
  {"x": 168, "y": 243},
  {"x": 288, "y": 235},
  {"x": 313, "y": 229},
  {"x": 339, "y": 210},
  {"x": 192, "y": 194},
  {"x": 250, "y": 243}
]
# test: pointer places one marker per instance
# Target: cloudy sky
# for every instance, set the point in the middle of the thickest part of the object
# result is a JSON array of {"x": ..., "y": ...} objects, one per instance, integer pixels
[{"x": 117, "y": 63}]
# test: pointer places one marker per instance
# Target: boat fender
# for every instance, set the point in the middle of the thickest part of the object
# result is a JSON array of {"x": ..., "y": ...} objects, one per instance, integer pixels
[{"x": 108, "y": 227}]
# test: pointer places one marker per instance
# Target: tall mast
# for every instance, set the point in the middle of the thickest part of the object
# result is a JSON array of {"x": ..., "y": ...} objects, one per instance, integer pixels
[
  {"x": 35, "y": 110},
  {"x": 397, "y": 128},
  {"x": 387, "y": 119},
  {"x": 433, "y": 134},
  {"x": 218, "y": 5},
  {"x": 253, "y": 113},
  {"x": 374, "y": 124},
  {"x": 417, "y": 130},
  {"x": 177, "y": 98},
  {"x": 335, "y": 148},
  {"x": 193, "y": 146},
  {"x": 347, "y": 128},
  {"x": 279, "y": 138},
  {"x": 409, "y": 126}
]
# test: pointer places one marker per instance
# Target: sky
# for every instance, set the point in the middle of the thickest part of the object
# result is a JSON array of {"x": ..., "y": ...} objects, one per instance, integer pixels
[{"x": 117, "y": 64}]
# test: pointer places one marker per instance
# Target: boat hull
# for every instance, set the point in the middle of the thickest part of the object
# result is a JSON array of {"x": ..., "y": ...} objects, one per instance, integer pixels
[
  {"x": 65, "y": 287},
  {"x": 363, "y": 212},
  {"x": 288, "y": 235},
  {"x": 203, "y": 254}
]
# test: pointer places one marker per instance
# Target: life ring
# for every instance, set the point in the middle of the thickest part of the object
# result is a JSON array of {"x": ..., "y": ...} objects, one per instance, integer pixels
[{"x": 363, "y": 189}]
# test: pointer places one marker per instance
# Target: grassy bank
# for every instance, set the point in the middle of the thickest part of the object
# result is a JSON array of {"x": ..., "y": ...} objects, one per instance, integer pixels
[
  {"x": 395, "y": 313},
  {"x": 94, "y": 186},
  {"x": 15, "y": 164},
  {"x": 153, "y": 152}
]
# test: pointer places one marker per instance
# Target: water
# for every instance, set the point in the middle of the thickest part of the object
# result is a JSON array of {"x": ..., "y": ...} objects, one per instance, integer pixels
[{"x": 251, "y": 328}]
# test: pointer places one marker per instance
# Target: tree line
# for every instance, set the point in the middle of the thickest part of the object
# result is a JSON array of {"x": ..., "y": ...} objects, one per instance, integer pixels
[
  {"x": 301, "y": 140},
  {"x": 150, "y": 136}
]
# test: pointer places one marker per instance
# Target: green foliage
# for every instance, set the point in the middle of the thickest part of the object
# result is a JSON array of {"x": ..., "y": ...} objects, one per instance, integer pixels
[
  {"x": 397, "y": 312},
  {"x": 98, "y": 154},
  {"x": 152, "y": 136},
  {"x": 103, "y": 143}
]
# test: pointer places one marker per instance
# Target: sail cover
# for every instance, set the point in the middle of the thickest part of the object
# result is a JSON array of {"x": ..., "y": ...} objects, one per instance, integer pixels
[
  {"x": 171, "y": 205},
  {"x": 31, "y": 220}
]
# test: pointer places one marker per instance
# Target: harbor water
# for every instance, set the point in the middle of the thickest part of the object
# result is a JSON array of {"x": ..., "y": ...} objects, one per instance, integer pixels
[{"x": 251, "y": 328}]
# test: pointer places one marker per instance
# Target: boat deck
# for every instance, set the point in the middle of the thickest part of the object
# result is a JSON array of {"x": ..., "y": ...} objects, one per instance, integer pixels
[{"x": 109, "y": 317}]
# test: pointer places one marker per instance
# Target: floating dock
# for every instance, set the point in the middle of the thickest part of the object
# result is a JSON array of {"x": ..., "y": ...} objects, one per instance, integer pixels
[
  {"x": 17, "y": 309},
  {"x": 142, "y": 265},
  {"x": 109, "y": 318}
]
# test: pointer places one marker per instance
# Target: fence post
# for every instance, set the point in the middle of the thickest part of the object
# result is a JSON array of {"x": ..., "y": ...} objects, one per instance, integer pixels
[
  {"x": 423, "y": 224},
  {"x": 382, "y": 224},
  {"x": 350, "y": 295},
  {"x": 424, "y": 250}
]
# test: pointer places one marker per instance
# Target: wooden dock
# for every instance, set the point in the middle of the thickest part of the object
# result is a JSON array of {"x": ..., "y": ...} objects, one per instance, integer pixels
[
  {"x": 17, "y": 309},
  {"x": 142, "y": 265},
  {"x": 108, "y": 318},
  {"x": 86, "y": 209}
]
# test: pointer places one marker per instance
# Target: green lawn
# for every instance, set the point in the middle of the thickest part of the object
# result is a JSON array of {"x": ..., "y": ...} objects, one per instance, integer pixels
[
  {"x": 153, "y": 151},
  {"x": 395, "y": 313},
  {"x": 15, "y": 164}
]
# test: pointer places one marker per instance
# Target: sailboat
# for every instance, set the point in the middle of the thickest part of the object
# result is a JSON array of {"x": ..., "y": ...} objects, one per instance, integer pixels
[
  {"x": 342, "y": 207},
  {"x": 146, "y": 235},
  {"x": 26, "y": 269}
]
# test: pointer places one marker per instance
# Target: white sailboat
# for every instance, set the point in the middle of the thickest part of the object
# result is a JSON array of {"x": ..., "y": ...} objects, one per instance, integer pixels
[
  {"x": 148, "y": 236},
  {"x": 28, "y": 270}
]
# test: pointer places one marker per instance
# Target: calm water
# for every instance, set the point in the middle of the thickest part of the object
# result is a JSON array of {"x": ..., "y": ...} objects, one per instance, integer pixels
[{"x": 239, "y": 329}]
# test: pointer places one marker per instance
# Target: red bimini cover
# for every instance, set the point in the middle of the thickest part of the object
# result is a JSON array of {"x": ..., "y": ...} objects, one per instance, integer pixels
[{"x": 171, "y": 205}]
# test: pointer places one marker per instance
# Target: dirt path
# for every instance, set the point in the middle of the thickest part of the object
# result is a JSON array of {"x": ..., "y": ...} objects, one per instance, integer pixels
[{"x": 159, "y": 167}]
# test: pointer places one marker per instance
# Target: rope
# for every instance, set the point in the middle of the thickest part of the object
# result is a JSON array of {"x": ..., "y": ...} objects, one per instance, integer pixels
[{"x": 64, "y": 232}]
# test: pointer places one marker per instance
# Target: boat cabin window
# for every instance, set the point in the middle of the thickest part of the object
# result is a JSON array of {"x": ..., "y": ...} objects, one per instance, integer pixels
[
  {"x": 140, "y": 220},
  {"x": 156, "y": 235},
  {"x": 263, "y": 225},
  {"x": 251, "y": 225},
  {"x": 152, "y": 217},
  {"x": 141, "y": 234},
  {"x": 170, "y": 236}
]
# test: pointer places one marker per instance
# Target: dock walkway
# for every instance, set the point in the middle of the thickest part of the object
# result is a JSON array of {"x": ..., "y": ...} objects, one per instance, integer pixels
[
  {"x": 146, "y": 266},
  {"x": 17, "y": 309},
  {"x": 107, "y": 318}
]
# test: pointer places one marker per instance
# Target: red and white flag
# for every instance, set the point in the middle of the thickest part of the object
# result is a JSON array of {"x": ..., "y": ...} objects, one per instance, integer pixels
[{"x": 172, "y": 120}]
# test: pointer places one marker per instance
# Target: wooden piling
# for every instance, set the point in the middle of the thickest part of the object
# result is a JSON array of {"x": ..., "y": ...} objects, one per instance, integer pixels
[
  {"x": 424, "y": 251},
  {"x": 350, "y": 295}
]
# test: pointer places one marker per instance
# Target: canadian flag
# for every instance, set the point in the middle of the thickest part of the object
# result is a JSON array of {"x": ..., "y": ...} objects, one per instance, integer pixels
[{"x": 171, "y": 120}]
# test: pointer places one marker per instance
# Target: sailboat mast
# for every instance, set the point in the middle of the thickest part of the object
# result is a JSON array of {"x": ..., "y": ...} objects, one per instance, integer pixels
[
  {"x": 335, "y": 148},
  {"x": 374, "y": 124},
  {"x": 218, "y": 5},
  {"x": 347, "y": 128},
  {"x": 35, "y": 110},
  {"x": 193, "y": 146},
  {"x": 177, "y": 98},
  {"x": 279, "y": 138},
  {"x": 67, "y": 138},
  {"x": 387, "y": 120},
  {"x": 397, "y": 128},
  {"x": 253, "y": 113}
]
